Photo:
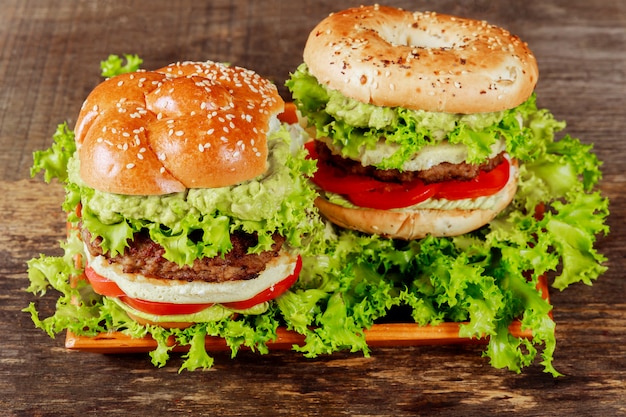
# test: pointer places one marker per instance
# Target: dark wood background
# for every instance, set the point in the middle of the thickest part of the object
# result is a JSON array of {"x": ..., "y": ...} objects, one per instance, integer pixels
[{"x": 49, "y": 60}]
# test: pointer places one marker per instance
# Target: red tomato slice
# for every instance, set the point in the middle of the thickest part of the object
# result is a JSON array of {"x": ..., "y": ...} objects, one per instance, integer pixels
[
  {"x": 289, "y": 115},
  {"x": 270, "y": 293},
  {"x": 394, "y": 195},
  {"x": 102, "y": 285},
  {"x": 333, "y": 179},
  {"x": 162, "y": 309},
  {"x": 486, "y": 183}
]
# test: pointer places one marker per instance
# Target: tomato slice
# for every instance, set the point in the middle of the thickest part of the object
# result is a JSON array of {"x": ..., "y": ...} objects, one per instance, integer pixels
[
  {"x": 162, "y": 309},
  {"x": 333, "y": 179},
  {"x": 102, "y": 285},
  {"x": 394, "y": 195},
  {"x": 289, "y": 115},
  {"x": 486, "y": 183},
  {"x": 270, "y": 293}
]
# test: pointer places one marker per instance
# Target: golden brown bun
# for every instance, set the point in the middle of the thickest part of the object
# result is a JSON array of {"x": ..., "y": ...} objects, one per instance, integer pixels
[
  {"x": 417, "y": 223},
  {"x": 187, "y": 125},
  {"x": 425, "y": 61}
]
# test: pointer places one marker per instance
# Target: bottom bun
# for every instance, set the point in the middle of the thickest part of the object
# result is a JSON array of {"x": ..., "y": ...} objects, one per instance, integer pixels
[{"x": 412, "y": 224}]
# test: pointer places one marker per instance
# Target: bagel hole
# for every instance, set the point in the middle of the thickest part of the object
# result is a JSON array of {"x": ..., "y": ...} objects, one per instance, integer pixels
[{"x": 415, "y": 37}]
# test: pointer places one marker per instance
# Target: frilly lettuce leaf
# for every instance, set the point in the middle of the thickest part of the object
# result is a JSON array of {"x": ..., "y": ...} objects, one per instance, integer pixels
[
  {"x": 53, "y": 161},
  {"x": 114, "y": 65}
]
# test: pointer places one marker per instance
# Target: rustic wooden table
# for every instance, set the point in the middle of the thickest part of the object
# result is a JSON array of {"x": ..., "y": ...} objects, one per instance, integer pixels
[{"x": 49, "y": 60}]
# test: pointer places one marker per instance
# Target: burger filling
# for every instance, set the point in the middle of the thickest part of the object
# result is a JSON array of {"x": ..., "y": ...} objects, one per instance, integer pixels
[
  {"x": 441, "y": 172},
  {"x": 145, "y": 257}
]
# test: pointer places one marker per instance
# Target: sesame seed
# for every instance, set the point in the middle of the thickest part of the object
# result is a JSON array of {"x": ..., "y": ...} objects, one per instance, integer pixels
[
  {"x": 162, "y": 170},
  {"x": 130, "y": 166},
  {"x": 179, "y": 133},
  {"x": 201, "y": 148}
]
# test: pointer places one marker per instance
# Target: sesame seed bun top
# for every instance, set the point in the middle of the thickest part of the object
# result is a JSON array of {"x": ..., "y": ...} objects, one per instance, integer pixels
[
  {"x": 187, "y": 125},
  {"x": 424, "y": 61}
]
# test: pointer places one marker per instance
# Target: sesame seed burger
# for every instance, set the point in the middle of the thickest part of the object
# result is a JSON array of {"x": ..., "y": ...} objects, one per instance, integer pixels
[
  {"x": 190, "y": 205},
  {"x": 419, "y": 119}
]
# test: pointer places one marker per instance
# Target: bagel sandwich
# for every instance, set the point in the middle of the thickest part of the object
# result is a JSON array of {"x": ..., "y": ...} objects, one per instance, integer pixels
[
  {"x": 420, "y": 119},
  {"x": 186, "y": 203}
]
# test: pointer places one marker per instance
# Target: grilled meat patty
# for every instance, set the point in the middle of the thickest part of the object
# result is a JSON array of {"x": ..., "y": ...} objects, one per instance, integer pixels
[
  {"x": 144, "y": 256},
  {"x": 441, "y": 172}
]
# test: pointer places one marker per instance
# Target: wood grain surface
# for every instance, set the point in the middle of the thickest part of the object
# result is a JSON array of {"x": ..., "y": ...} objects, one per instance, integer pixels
[{"x": 49, "y": 60}]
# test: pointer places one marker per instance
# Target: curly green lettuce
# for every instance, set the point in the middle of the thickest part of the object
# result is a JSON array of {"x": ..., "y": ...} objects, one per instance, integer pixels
[{"x": 114, "y": 65}]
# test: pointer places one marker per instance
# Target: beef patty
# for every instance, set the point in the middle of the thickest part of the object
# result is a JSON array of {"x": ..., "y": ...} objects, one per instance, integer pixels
[
  {"x": 144, "y": 256},
  {"x": 441, "y": 172}
]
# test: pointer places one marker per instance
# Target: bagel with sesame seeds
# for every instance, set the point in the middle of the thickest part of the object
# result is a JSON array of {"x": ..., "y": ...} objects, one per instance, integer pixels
[
  {"x": 423, "y": 61},
  {"x": 191, "y": 203},
  {"x": 417, "y": 117}
]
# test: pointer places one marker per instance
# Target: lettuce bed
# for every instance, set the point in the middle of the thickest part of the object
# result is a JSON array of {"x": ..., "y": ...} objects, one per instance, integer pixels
[{"x": 486, "y": 278}]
